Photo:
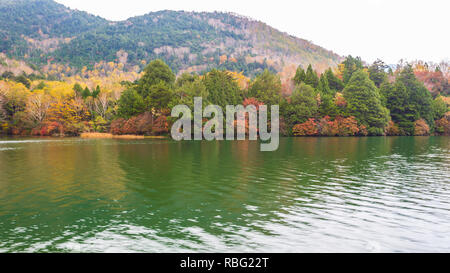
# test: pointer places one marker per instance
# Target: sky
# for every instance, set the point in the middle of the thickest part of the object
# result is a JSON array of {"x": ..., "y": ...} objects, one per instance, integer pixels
[{"x": 387, "y": 29}]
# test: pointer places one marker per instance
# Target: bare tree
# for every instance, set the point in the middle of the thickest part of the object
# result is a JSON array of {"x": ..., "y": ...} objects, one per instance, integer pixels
[
  {"x": 37, "y": 106},
  {"x": 101, "y": 104}
]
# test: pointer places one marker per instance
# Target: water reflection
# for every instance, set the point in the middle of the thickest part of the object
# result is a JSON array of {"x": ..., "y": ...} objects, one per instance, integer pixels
[{"x": 313, "y": 194}]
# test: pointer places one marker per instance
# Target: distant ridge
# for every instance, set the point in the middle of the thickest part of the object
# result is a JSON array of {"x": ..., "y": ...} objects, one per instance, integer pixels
[{"x": 43, "y": 32}]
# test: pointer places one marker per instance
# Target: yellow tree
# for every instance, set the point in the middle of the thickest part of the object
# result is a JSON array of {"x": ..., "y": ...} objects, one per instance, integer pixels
[{"x": 69, "y": 115}]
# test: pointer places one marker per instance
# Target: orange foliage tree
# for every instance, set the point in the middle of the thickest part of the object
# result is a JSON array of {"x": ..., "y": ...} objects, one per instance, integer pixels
[
  {"x": 143, "y": 124},
  {"x": 421, "y": 128},
  {"x": 392, "y": 129},
  {"x": 434, "y": 81},
  {"x": 341, "y": 126},
  {"x": 308, "y": 128},
  {"x": 443, "y": 125}
]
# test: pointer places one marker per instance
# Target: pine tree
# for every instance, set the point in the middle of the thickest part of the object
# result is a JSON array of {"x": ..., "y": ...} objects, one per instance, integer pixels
[
  {"x": 386, "y": 88},
  {"x": 377, "y": 72},
  {"x": 300, "y": 75},
  {"x": 266, "y": 88},
  {"x": 323, "y": 86},
  {"x": 401, "y": 111},
  {"x": 78, "y": 90},
  {"x": 334, "y": 82},
  {"x": 328, "y": 106},
  {"x": 303, "y": 105},
  {"x": 23, "y": 80},
  {"x": 154, "y": 73},
  {"x": 364, "y": 103},
  {"x": 86, "y": 93},
  {"x": 311, "y": 77},
  {"x": 439, "y": 108},
  {"x": 420, "y": 98},
  {"x": 159, "y": 96},
  {"x": 351, "y": 65},
  {"x": 96, "y": 92},
  {"x": 222, "y": 89},
  {"x": 130, "y": 104}
]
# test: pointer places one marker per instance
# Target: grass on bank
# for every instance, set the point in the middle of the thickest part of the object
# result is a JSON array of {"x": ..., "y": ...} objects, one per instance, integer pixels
[{"x": 109, "y": 136}]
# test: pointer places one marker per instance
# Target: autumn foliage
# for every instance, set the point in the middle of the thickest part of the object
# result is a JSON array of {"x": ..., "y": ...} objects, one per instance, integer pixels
[
  {"x": 421, "y": 128},
  {"x": 434, "y": 81},
  {"x": 340, "y": 126},
  {"x": 252, "y": 101},
  {"x": 63, "y": 118},
  {"x": 339, "y": 102},
  {"x": 308, "y": 128},
  {"x": 443, "y": 125},
  {"x": 392, "y": 129},
  {"x": 143, "y": 124}
]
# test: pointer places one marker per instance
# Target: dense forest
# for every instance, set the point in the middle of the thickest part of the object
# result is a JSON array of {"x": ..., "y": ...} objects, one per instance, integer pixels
[
  {"x": 46, "y": 34},
  {"x": 352, "y": 99}
]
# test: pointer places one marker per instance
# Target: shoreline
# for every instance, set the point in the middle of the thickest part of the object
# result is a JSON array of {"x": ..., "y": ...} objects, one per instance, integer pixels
[
  {"x": 111, "y": 136},
  {"x": 137, "y": 137},
  {"x": 87, "y": 136}
]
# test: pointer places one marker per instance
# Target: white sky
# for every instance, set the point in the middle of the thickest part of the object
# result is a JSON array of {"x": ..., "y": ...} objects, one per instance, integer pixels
[{"x": 386, "y": 29}]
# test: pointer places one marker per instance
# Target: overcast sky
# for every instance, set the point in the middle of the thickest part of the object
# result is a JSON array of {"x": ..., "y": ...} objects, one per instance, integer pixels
[{"x": 386, "y": 29}]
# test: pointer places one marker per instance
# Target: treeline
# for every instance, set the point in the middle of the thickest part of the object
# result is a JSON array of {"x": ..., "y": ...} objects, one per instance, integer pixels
[{"x": 351, "y": 100}]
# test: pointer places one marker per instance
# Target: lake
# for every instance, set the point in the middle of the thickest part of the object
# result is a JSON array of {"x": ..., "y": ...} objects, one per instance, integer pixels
[{"x": 380, "y": 194}]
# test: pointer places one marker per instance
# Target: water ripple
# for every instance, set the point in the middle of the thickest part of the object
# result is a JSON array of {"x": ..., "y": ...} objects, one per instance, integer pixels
[{"x": 312, "y": 195}]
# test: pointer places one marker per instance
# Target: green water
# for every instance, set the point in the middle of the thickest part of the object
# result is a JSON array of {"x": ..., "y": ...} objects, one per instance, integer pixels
[{"x": 312, "y": 195}]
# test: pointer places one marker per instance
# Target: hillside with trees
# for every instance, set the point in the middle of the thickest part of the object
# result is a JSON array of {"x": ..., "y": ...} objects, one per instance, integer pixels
[{"x": 47, "y": 36}]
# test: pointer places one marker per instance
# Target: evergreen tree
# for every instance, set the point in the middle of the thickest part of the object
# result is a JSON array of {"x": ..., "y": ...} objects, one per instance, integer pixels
[
  {"x": 334, "y": 82},
  {"x": 78, "y": 90},
  {"x": 185, "y": 78},
  {"x": 386, "y": 88},
  {"x": 377, "y": 72},
  {"x": 300, "y": 75},
  {"x": 266, "y": 88},
  {"x": 327, "y": 106},
  {"x": 186, "y": 93},
  {"x": 159, "y": 96},
  {"x": 323, "y": 86},
  {"x": 364, "y": 103},
  {"x": 96, "y": 92},
  {"x": 130, "y": 104},
  {"x": 154, "y": 73},
  {"x": 401, "y": 111},
  {"x": 439, "y": 108},
  {"x": 311, "y": 77},
  {"x": 420, "y": 98},
  {"x": 351, "y": 65},
  {"x": 222, "y": 89},
  {"x": 303, "y": 105},
  {"x": 86, "y": 93},
  {"x": 22, "y": 79}
]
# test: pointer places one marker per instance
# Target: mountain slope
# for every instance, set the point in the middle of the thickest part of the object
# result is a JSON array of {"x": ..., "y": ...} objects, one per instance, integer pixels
[{"x": 42, "y": 32}]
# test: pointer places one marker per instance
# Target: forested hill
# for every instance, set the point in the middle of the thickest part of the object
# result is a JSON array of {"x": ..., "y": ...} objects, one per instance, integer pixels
[{"x": 43, "y": 33}]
